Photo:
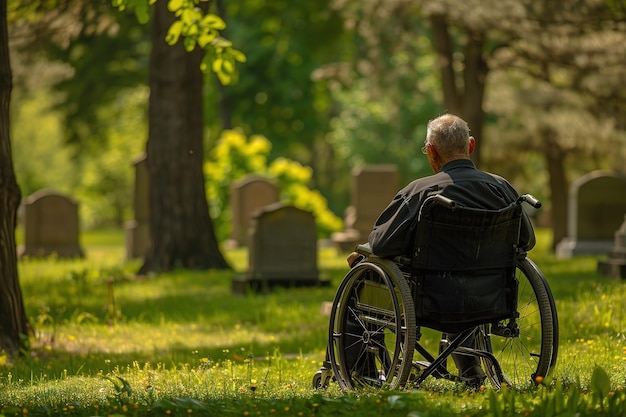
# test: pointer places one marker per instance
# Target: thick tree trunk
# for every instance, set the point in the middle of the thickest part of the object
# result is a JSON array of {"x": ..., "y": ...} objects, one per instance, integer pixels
[
  {"x": 444, "y": 48},
  {"x": 474, "y": 81},
  {"x": 559, "y": 187},
  {"x": 181, "y": 229},
  {"x": 13, "y": 322},
  {"x": 462, "y": 94}
]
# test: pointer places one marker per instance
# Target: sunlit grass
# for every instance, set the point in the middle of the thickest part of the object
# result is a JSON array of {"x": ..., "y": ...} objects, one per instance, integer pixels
[{"x": 107, "y": 342}]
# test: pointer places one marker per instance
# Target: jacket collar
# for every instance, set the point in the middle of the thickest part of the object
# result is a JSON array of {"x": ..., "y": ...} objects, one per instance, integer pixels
[{"x": 458, "y": 163}]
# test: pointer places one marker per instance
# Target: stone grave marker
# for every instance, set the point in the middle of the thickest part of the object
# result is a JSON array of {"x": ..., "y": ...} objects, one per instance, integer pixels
[
  {"x": 246, "y": 196},
  {"x": 596, "y": 207},
  {"x": 282, "y": 250},
  {"x": 373, "y": 188},
  {"x": 51, "y": 226},
  {"x": 615, "y": 265},
  {"x": 138, "y": 230}
]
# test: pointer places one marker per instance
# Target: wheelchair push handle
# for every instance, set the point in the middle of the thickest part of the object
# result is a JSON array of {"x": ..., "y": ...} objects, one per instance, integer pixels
[
  {"x": 451, "y": 204},
  {"x": 530, "y": 199},
  {"x": 445, "y": 201}
]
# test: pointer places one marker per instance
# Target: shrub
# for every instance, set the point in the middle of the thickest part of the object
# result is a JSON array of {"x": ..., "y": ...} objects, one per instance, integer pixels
[{"x": 234, "y": 156}]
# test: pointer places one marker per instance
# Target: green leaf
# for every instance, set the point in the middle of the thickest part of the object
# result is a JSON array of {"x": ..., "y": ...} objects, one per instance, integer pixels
[
  {"x": 225, "y": 79},
  {"x": 189, "y": 43},
  {"x": 205, "y": 65},
  {"x": 164, "y": 404},
  {"x": 559, "y": 398},
  {"x": 550, "y": 406},
  {"x": 214, "y": 22},
  {"x": 175, "y": 5},
  {"x": 396, "y": 402},
  {"x": 217, "y": 65},
  {"x": 574, "y": 399},
  {"x": 206, "y": 38},
  {"x": 191, "y": 16},
  {"x": 220, "y": 42},
  {"x": 238, "y": 55},
  {"x": 141, "y": 11},
  {"x": 192, "y": 30},
  {"x": 493, "y": 404},
  {"x": 600, "y": 382},
  {"x": 174, "y": 32},
  {"x": 228, "y": 66}
]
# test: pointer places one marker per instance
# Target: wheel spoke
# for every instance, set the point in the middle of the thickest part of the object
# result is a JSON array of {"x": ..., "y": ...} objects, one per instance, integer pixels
[
  {"x": 533, "y": 351},
  {"x": 370, "y": 321}
]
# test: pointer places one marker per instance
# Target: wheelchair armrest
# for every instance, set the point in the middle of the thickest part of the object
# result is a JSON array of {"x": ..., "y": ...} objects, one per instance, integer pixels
[
  {"x": 363, "y": 249},
  {"x": 402, "y": 260}
]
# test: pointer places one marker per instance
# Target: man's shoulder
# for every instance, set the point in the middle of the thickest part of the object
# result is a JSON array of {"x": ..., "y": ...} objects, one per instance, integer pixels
[
  {"x": 429, "y": 181},
  {"x": 498, "y": 178}
]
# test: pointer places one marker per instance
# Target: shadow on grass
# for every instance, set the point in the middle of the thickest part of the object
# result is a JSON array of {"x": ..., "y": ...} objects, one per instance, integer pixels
[{"x": 92, "y": 325}]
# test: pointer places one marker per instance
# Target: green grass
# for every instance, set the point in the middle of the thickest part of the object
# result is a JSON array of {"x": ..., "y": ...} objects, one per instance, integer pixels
[{"x": 108, "y": 343}]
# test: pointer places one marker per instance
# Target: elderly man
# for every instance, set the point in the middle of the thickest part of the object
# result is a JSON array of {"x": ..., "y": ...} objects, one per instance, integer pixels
[{"x": 448, "y": 147}]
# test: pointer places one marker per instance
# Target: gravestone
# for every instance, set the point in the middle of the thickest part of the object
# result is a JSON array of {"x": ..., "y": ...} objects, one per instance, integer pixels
[
  {"x": 138, "y": 230},
  {"x": 247, "y": 195},
  {"x": 373, "y": 188},
  {"x": 51, "y": 226},
  {"x": 596, "y": 207},
  {"x": 615, "y": 265},
  {"x": 282, "y": 250},
  {"x": 349, "y": 237}
]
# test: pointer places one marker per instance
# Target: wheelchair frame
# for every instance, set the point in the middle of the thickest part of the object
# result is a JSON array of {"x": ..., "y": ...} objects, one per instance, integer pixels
[{"x": 374, "y": 334}]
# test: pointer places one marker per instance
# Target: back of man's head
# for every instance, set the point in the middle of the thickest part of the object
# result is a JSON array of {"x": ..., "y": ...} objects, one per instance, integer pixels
[{"x": 449, "y": 134}]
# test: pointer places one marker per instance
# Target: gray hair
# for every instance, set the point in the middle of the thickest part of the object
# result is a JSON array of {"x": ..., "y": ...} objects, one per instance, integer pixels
[{"x": 449, "y": 134}]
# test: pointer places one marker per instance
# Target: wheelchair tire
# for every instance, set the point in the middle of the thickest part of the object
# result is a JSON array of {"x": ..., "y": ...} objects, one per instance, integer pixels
[
  {"x": 320, "y": 381},
  {"x": 530, "y": 356},
  {"x": 372, "y": 327}
]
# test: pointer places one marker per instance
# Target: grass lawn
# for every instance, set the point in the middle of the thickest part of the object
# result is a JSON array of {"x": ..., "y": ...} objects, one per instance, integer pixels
[{"x": 107, "y": 343}]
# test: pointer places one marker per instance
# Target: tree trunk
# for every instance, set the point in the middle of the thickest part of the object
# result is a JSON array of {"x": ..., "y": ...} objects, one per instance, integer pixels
[
  {"x": 474, "y": 81},
  {"x": 464, "y": 95},
  {"x": 182, "y": 232},
  {"x": 444, "y": 48},
  {"x": 558, "y": 184},
  {"x": 13, "y": 323}
]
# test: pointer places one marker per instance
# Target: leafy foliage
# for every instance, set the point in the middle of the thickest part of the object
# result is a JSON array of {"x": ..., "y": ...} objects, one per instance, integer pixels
[
  {"x": 39, "y": 156},
  {"x": 196, "y": 28},
  {"x": 101, "y": 180},
  {"x": 341, "y": 83},
  {"x": 279, "y": 94},
  {"x": 293, "y": 179},
  {"x": 87, "y": 55},
  {"x": 107, "y": 179},
  {"x": 381, "y": 130},
  {"x": 234, "y": 156},
  {"x": 141, "y": 8}
]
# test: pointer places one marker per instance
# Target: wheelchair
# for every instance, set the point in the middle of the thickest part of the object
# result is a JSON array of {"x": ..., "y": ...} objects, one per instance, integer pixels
[{"x": 468, "y": 278}]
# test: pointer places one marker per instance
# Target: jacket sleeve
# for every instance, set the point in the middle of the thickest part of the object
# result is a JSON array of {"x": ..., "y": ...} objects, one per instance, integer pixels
[{"x": 392, "y": 233}]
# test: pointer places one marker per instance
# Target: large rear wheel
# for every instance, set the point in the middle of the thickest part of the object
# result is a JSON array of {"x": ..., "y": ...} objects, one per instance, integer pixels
[
  {"x": 526, "y": 351},
  {"x": 372, "y": 327}
]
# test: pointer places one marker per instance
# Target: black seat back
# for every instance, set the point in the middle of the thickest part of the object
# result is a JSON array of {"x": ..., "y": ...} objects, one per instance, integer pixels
[{"x": 463, "y": 266}]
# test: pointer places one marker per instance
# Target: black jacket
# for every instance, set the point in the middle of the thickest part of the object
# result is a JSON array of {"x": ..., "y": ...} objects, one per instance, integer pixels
[{"x": 394, "y": 231}]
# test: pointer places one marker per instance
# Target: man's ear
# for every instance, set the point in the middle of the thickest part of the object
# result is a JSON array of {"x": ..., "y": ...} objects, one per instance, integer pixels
[{"x": 472, "y": 143}]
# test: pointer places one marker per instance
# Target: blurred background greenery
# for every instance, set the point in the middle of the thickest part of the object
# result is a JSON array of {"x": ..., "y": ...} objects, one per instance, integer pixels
[{"x": 328, "y": 86}]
